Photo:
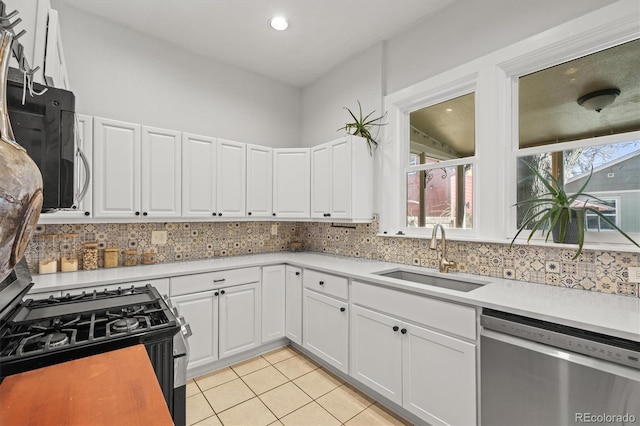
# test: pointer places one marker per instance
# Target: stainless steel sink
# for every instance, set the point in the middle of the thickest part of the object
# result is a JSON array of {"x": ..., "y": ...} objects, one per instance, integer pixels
[{"x": 417, "y": 277}]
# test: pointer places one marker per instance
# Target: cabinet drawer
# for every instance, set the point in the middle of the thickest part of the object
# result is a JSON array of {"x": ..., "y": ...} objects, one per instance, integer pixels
[
  {"x": 188, "y": 284},
  {"x": 326, "y": 283},
  {"x": 446, "y": 316}
]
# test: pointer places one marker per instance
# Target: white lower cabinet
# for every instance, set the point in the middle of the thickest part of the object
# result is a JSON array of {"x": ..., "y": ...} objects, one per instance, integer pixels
[
  {"x": 239, "y": 325},
  {"x": 429, "y": 373},
  {"x": 273, "y": 302},
  {"x": 376, "y": 352},
  {"x": 200, "y": 310},
  {"x": 293, "y": 310},
  {"x": 223, "y": 310},
  {"x": 326, "y": 328},
  {"x": 439, "y": 377}
]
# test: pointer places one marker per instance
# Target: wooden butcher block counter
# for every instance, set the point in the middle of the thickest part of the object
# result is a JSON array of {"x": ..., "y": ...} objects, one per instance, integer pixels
[{"x": 113, "y": 388}]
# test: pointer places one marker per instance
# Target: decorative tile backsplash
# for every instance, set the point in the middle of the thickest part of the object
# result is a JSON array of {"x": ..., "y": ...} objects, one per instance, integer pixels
[{"x": 594, "y": 270}]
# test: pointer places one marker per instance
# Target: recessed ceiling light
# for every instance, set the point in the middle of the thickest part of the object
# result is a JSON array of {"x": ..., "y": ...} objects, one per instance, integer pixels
[
  {"x": 279, "y": 23},
  {"x": 448, "y": 109}
]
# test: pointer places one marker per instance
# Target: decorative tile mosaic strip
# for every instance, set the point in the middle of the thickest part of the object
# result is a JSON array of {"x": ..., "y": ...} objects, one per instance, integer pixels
[{"x": 603, "y": 271}]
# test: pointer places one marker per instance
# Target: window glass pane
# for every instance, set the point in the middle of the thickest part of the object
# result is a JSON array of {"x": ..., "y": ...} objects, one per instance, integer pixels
[
  {"x": 548, "y": 99},
  {"x": 444, "y": 131},
  {"x": 440, "y": 195},
  {"x": 615, "y": 181}
]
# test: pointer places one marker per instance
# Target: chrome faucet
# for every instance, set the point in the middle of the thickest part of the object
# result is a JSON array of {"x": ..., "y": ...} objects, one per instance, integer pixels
[{"x": 444, "y": 264}]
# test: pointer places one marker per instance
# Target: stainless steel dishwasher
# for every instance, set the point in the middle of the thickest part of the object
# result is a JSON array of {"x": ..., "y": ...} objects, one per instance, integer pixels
[{"x": 539, "y": 373}]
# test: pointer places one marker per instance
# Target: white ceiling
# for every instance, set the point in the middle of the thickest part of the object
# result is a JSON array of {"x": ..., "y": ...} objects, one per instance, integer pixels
[{"x": 323, "y": 33}]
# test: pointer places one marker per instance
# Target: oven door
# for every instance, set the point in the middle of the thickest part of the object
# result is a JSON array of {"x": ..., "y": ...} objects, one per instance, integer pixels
[{"x": 526, "y": 383}]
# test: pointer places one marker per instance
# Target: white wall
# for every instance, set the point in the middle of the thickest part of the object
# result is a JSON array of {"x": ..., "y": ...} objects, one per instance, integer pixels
[
  {"x": 467, "y": 30},
  {"x": 119, "y": 73},
  {"x": 359, "y": 78}
]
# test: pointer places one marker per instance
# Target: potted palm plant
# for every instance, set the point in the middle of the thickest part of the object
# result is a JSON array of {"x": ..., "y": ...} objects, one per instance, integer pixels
[
  {"x": 560, "y": 214},
  {"x": 361, "y": 126}
]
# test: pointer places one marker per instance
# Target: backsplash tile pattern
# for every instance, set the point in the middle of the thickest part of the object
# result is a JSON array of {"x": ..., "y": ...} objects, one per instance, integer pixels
[
  {"x": 185, "y": 241},
  {"x": 603, "y": 271}
]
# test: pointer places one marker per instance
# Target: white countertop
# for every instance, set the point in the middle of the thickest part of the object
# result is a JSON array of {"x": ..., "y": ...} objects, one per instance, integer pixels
[{"x": 603, "y": 313}]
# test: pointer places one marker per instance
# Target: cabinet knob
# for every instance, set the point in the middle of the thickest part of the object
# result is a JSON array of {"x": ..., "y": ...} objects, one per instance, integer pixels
[
  {"x": 249, "y": 213},
  {"x": 343, "y": 309},
  {"x": 145, "y": 214},
  {"x": 328, "y": 214},
  {"x": 137, "y": 213},
  {"x": 321, "y": 283},
  {"x": 219, "y": 214},
  {"x": 297, "y": 273},
  {"x": 403, "y": 331},
  {"x": 273, "y": 214},
  {"x": 87, "y": 213},
  {"x": 214, "y": 213},
  {"x": 396, "y": 328},
  {"x": 216, "y": 293},
  {"x": 221, "y": 291}
]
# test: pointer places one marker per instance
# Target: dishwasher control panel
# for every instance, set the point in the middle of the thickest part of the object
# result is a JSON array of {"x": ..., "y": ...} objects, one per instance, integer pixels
[{"x": 613, "y": 349}]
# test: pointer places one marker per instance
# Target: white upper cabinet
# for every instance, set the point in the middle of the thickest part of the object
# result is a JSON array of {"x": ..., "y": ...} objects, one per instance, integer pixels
[
  {"x": 321, "y": 180},
  {"x": 161, "y": 173},
  {"x": 342, "y": 180},
  {"x": 291, "y": 177},
  {"x": 55, "y": 68},
  {"x": 231, "y": 178},
  {"x": 137, "y": 171},
  {"x": 198, "y": 176},
  {"x": 116, "y": 154},
  {"x": 259, "y": 181}
]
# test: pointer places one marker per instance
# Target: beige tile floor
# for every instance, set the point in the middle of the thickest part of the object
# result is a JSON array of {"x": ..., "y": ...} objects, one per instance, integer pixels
[{"x": 282, "y": 387}]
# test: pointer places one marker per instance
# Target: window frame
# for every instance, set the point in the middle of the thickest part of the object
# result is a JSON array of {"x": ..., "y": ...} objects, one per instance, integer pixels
[
  {"x": 432, "y": 93},
  {"x": 494, "y": 79}
]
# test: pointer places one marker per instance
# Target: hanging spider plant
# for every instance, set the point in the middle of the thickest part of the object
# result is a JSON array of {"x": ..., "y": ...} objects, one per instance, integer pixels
[
  {"x": 557, "y": 209},
  {"x": 361, "y": 126}
]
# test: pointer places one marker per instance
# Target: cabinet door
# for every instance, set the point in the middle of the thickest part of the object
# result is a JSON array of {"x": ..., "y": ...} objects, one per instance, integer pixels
[
  {"x": 200, "y": 310},
  {"x": 273, "y": 302},
  {"x": 116, "y": 154},
  {"x": 198, "y": 176},
  {"x": 439, "y": 377},
  {"x": 376, "y": 352},
  {"x": 231, "y": 178},
  {"x": 161, "y": 180},
  {"x": 294, "y": 304},
  {"x": 341, "y": 179},
  {"x": 321, "y": 180},
  {"x": 291, "y": 180},
  {"x": 55, "y": 68},
  {"x": 259, "y": 181},
  {"x": 326, "y": 329},
  {"x": 239, "y": 318}
]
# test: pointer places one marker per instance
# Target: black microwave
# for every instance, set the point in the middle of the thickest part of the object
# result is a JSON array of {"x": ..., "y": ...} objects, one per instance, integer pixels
[{"x": 45, "y": 127}]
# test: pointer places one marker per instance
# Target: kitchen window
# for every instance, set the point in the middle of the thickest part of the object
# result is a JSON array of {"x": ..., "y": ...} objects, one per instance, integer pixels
[
  {"x": 518, "y": 113},
  {"x": 439, "y": 176},
  {"x": 578, "y": 120}
]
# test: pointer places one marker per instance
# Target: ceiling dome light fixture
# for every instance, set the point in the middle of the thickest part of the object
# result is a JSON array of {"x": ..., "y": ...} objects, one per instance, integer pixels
[
  {"x": 596, "y": 101},
  {"x": 279, "y": 23}
]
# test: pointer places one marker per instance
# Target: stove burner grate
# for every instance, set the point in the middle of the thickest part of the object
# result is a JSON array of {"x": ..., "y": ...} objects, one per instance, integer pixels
[{"x": 125, "y": 324}]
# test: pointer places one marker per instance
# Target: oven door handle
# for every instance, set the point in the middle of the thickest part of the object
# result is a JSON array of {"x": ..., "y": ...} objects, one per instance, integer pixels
[{"x": 572, "y": 357}]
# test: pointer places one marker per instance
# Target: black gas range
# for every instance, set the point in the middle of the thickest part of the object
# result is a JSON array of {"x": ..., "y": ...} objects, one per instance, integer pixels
[{"x": 36, "y": 333}]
